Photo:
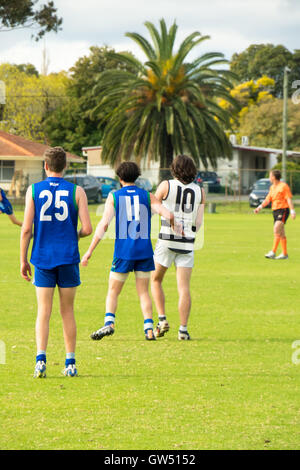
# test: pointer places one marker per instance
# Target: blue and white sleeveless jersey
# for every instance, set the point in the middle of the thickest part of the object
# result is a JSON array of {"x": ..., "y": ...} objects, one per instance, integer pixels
[
  {"x": 133, "y": 223},
  {"x": 55, "y": 240}
]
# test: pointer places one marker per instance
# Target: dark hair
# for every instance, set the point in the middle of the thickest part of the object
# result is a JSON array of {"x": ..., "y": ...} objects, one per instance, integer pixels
[
  {"x": 184, "y": 169},
  {"x": 276, "y": 174},
  {"x": 128, "y": 172},
  {"x": 56, "y": 159}
]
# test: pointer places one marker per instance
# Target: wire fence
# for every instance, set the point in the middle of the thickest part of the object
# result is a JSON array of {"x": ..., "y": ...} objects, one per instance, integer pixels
[{"x": 222, "y": 185}]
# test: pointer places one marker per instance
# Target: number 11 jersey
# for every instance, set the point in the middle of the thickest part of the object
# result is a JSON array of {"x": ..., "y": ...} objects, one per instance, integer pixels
[{"x": 55, "y": 241}]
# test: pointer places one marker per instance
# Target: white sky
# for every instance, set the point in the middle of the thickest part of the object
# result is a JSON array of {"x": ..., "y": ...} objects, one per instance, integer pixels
[{"x": 232, "y": 25}]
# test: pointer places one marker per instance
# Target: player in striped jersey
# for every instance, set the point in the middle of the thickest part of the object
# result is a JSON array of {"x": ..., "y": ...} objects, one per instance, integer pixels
[{"x": 186, "y": 199}]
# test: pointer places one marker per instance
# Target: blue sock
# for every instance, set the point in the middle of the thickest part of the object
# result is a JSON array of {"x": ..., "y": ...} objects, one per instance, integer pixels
[
  {"x": 41, "y": 356},
  {"x": 70, "y": 359},
  {"x": 109, "y": 319},
  {"x": 148, "y": 324}
]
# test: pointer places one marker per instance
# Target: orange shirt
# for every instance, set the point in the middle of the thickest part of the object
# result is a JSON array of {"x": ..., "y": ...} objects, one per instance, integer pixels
[{"x": 278, "y": 195}]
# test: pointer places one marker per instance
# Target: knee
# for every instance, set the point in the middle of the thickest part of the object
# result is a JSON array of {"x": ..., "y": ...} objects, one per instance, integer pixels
[
  {"x": 184, "y": 292},
  {"x": 156, "y": 278}
]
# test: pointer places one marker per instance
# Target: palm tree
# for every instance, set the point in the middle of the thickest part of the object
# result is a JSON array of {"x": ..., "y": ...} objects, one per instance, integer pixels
[{"x": 165, "y": 105}]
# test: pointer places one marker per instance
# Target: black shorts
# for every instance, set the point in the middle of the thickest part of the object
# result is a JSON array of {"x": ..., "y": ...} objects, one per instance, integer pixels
[{"x": 281, "y": 215}]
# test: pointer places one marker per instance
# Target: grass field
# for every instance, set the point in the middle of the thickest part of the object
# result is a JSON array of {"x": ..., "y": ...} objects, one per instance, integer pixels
[{"x": 234, "y": 386}]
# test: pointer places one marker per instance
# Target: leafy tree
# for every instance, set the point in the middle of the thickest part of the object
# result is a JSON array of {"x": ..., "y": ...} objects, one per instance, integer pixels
[
  {"x": 292, "y": 175},
  {"x": 28, "y": 100},
  {"x": 166, "y": 104},
  {"x": 267, "y": 59},
  {"x": 29, "y": 69},
  {"x": 250, "y": 93},
  {"x": 263, "y": 125},
  {"x": 72, "y": 124},
  {"x": 16, "y": 14}
]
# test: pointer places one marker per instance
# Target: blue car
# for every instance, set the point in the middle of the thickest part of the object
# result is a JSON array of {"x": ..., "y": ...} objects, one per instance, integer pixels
[{"x": 107, "y": 185}]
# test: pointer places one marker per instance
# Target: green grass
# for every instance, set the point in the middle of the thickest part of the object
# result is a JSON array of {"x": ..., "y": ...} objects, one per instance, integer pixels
[{"x": 233, "y": 386}]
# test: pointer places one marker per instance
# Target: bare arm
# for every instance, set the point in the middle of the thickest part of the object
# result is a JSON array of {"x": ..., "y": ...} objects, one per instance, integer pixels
[
  {"x": 162, "y": 190},
  {"x": 83, "y": 213},
  {"x": 109, "y": 212},
  {"x": 291, "y": 206},
  {"x": 26, "y": 234},
  {"x": 265, "y": 203},
  {"x": 158, "y": 208},
  {"x": 200, "y": 213}
]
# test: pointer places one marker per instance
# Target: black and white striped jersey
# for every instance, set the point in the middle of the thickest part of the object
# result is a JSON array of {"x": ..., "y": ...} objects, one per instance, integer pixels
[{"x": 183, "y": 200}]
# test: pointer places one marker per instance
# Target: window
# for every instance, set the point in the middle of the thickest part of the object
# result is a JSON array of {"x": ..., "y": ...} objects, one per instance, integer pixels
[{"x": 7, "y": 168}]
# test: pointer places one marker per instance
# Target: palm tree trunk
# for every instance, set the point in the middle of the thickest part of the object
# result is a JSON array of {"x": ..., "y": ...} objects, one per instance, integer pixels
[{"x": 166, "y": 160}]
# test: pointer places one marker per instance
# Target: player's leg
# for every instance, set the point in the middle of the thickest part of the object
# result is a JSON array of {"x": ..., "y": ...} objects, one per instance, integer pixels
[
  {"x": 14, "y": 220},
  {"x": 66, "y": 299},
  {"x": 142, "y": 279},
  {"x": 115, "y": 286},
  {"x": 183, "y": 276},
  {"x": 44, "y": 300},
  {"x": 158, "y": 294},
  {"x": 283, "y": 241},
  {"x": 163, "y": 258}
]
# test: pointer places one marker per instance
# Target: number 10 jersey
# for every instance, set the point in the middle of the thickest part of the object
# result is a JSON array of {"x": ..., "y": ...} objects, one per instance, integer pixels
[
  {"x": 183, "y": 200},
  {"x": 55, "y": 241}
]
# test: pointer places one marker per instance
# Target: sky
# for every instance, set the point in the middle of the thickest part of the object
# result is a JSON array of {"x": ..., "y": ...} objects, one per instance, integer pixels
[{"x": 232, "y": 26}]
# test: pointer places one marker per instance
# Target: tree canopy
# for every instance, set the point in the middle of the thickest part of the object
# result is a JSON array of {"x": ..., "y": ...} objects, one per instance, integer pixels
[
  {"x": 263, "y": 125},
  {"x": 267, "y": 59},
  {"x": 72, "y": 124},
  {"x": 29, "y": 99},
  {"x": 15, "y": 14},
  {"x": 166, "y": 104}
]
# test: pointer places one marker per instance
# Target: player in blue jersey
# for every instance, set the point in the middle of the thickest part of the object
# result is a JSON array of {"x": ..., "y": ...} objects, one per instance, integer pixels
[
  {"x": 53, "y": 206},
  {"x": 6, "y": 208},
  {"x": 132, "y": 208}
]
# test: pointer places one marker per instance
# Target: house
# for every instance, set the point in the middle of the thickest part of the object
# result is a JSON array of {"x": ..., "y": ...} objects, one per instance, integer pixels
[
  {"x": 248, "y": 164},
  {"x": 21, "y": 161},
  {"x": 96, "y": 167}
]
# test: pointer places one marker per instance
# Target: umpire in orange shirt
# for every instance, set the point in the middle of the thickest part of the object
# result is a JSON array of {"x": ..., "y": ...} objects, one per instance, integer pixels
[{"x": 281, "y": 198}]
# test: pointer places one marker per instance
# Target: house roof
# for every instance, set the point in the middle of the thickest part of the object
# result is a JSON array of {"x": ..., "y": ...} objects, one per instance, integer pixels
[
  {"x": 16, "y": 147},
  {"x": 265, "y": 150}
]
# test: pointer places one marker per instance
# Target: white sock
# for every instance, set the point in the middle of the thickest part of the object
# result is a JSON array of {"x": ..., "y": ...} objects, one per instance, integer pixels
[{"x": 183, "y": 329}]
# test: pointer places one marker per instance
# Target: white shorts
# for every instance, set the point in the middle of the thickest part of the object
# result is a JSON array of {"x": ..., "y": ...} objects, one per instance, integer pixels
[{"x": 164, "y": 256}]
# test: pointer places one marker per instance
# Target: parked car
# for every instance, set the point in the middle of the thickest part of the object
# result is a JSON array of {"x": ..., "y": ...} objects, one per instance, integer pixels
[
  {"x": 211, "y": 178},
  {"x": 108, "y": 185},
  {"x": 144, "y": 183},
  {"x": 259, "y": 191},
  {"x": 89, "y": 183}
]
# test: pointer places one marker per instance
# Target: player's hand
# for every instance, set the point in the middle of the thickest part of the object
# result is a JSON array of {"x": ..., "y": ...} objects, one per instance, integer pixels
[
  {"x": 85, "y": 259},
  {"x": 26, "y": 271},
  {"x": 256, "y": 211},
  {"x": 177, "y": 227}
]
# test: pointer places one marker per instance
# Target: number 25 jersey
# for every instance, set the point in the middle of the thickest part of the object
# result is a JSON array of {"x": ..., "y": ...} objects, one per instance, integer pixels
[{"x": 55, "y": 241}]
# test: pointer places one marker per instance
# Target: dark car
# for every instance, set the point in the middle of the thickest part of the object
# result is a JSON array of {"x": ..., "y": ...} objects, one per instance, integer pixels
[
  {"x": 89, "y": 183},
  {"x": 211, "y": 179},
  {"x": 108, "y": 185},
  {"x": 143, "y": 183},
  {"x": 259, "y": 191}
]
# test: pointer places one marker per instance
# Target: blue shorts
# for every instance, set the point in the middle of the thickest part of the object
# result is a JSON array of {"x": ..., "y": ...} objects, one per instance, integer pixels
[
  {"x": 125, "y": 266},
  {"x": 63, "y": 276},
  {"x": 6, "y": 207}
]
